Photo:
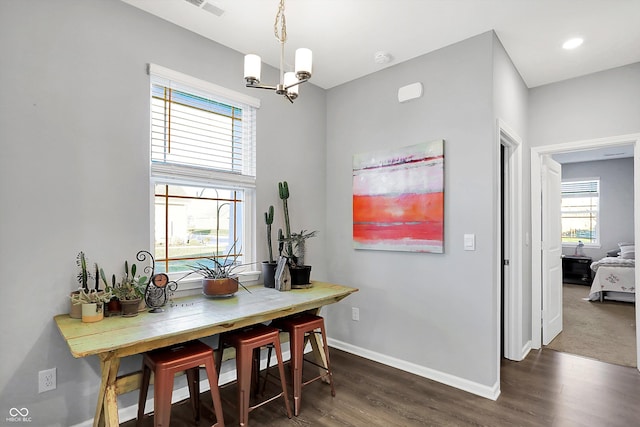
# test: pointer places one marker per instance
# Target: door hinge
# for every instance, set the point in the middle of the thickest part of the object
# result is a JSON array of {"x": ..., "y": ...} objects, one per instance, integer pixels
[{"x": 505, "y": 262}]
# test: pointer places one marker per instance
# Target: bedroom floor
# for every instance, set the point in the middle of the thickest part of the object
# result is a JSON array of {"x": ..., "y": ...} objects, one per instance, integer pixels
[{"x": 604, "y": 331}]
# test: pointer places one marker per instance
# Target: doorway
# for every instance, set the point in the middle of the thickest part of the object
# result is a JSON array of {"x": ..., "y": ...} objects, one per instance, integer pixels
[
  {"x": 509, "y": 245},
  {"x": 537, "y": 218}
]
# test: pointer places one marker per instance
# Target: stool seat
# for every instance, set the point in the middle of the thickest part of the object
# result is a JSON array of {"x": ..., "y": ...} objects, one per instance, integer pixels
[
  {"x": 165, "y": 363},
  {"x": 246, "y": 342},
  {"x": 299, "y": 326}
]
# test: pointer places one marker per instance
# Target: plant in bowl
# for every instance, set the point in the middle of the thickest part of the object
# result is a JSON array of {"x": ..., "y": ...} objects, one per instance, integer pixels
[
  {"x": 218, "y": 279},
  {"x": 92, "y": 303},
  {"x": 83, "y": 292},
  {"x": 130, "y": 290}
]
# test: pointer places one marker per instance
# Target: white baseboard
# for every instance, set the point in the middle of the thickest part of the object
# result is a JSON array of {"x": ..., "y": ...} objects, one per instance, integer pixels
[
  {"x": 526, "y": 349},
  {"x": 441, "y": 377}
]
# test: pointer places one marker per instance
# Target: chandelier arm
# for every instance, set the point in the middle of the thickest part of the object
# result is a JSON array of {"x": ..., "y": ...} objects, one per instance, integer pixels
[
  {"x": 261, "y": 86},
  {"x": 296, "y": 83}
]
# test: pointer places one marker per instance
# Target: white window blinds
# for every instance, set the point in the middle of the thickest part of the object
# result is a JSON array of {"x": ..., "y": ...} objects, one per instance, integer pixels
[
  {"x": 580, "y": 188},
  {"x": 201, "y": 131}
]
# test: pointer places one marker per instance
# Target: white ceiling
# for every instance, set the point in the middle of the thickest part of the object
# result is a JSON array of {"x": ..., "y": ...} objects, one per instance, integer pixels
[{"x": 344, "y": 35}]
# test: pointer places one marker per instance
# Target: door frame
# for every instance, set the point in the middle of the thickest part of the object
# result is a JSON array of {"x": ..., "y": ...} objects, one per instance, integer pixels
[
  {"x": 536, "y": 219},
  {"x": 513, "y": 334}
]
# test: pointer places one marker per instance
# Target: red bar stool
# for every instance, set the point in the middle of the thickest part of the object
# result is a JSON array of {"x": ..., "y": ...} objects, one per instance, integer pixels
[
  {"x": 165, "y": 363},
  {"x": 299, "y": 327},
  {"x": 246, "y": 342}
]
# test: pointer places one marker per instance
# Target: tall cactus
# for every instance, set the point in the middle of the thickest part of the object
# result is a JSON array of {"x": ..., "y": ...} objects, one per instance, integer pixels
[
  {"x": 83, "y": 275},
  {"x": 268, "y": 219},
  {"x": 283, "y": 190}
]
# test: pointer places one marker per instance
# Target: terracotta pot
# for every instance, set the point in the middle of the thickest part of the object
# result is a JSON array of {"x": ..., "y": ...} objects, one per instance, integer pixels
[
  {"x": 130, "y": 307},
  {"x": 219, "y": 287},
  {"x": 269, "y": 273},
  {"x": 92, "y": 312},
  {"x": 113, "y": 307}
]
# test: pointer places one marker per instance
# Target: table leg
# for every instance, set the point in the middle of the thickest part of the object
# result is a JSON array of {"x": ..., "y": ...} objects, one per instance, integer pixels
[
  {"x": 316, "y": 348},
  {"x": 107, "y": 406},
  {"x": 319, "y": 356}
]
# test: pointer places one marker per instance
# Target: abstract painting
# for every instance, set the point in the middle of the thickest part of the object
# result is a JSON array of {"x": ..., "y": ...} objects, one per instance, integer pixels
[{"x": 398, "y": 199}]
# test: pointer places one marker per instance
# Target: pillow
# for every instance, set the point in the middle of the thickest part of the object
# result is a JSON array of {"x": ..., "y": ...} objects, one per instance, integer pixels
[
  {"x": 613, "y": 253},
  {"x": 628, "y": 251}
]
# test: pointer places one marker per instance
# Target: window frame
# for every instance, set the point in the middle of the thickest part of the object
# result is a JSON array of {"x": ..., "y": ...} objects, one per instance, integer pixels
[
  {"x": 172, "y": 174},
  {"x": 598, "y": 242}
]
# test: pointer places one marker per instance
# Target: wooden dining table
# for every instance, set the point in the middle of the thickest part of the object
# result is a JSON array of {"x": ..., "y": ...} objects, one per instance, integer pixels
[{"x": 184, "y": 319}]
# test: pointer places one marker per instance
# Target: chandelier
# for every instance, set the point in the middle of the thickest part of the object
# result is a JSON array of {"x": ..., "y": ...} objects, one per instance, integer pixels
[{"x": 289, "y": 81}]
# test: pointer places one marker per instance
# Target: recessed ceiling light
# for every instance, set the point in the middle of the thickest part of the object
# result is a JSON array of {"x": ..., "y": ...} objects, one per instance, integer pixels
[{"x": 572, "y": 43}]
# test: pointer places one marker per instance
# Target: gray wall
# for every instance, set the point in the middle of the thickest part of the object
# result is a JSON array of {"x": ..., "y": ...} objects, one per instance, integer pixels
[
  {"x": 598, "y": 105},
  {"x": 436, "y": 312},
  {"x": 74, "y": 132},
  {"x": 616, "y": 201}
]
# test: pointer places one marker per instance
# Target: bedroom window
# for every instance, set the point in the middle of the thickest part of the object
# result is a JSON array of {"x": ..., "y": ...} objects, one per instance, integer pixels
[
  {"x": 580, "y": 211},
  {"x": 202, "y": 172}
]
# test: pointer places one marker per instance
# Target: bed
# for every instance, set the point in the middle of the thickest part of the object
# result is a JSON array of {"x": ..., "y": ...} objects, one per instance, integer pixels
[{"x": 614, "y": 280}]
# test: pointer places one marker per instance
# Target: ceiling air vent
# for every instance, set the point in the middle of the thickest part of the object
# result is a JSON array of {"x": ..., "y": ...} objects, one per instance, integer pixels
[{"x": 203, "y": 4}]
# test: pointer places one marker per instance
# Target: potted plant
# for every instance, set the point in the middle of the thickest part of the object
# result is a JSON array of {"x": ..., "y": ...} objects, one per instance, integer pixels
[
  {"x": 300, "y": 272},
  {"x": 113, "y": 306},
  {"x": 295, "y": 244},
  {"x": 130, "y": 291},
  {"x": 75, "y": 310},
  {"x": 92, "y": 303},
  {"x": 269, "y": 267},
  {"x": 83, "y": 276},
  {"x": 217, "y": 274}
]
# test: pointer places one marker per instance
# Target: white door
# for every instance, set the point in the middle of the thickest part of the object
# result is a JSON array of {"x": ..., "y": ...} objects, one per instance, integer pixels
[{"x": 551, "y": 250}]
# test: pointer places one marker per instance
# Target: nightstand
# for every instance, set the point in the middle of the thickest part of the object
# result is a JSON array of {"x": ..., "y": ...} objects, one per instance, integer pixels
[{"x": 577, "y": 270}]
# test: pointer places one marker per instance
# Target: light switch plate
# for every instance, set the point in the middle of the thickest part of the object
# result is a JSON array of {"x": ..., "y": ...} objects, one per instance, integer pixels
[{"x": 469, "y": 242}]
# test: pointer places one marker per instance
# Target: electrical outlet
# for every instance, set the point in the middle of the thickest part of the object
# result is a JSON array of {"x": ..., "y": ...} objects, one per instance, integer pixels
[
  {"x": 47, "y": 380},
  {"x": 355, "y": 313}
]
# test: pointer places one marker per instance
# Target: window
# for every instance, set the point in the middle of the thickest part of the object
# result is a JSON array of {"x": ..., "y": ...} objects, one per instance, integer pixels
[
  {"x": 202, "y": 172},
  {"x": 580, "y": 209}
]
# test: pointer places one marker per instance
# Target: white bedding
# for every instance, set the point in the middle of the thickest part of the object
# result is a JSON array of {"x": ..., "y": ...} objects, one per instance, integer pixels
[{"x": 614, "y": 279}]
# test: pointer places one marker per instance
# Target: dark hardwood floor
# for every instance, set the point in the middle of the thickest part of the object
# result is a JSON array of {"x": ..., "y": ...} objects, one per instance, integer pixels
[{"x": 547, "y": 389}]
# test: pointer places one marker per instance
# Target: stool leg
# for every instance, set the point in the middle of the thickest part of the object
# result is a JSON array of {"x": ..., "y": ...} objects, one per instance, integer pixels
[
  {"x": 297, "y": 355},
  {"x": 244, "y": 363},
  {"x": 212, "y": 375},
  {"x": 282, "y": 378},
  {"x": 193, "y": 380},
  {"x": 163, "y": 389},
  {"x": 144, "y": 388},
  {"x": 255, "y": 372}
]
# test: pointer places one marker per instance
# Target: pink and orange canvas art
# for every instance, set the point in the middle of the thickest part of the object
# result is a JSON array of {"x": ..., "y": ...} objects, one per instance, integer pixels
[{"x": 398, "y": 199}]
